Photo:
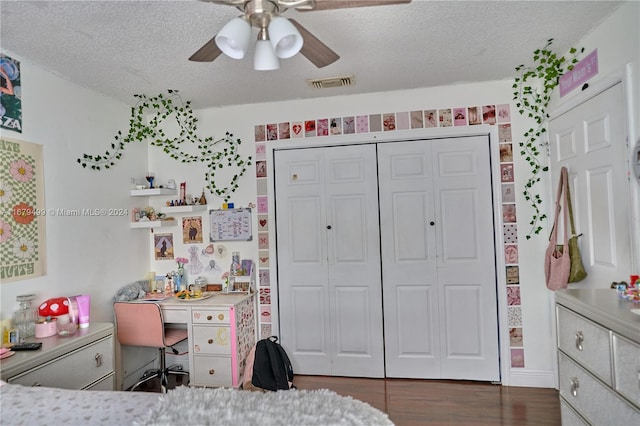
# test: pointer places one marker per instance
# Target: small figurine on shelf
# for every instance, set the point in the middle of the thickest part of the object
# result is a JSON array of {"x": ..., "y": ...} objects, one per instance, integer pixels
[{"x": 203, "y": 199}]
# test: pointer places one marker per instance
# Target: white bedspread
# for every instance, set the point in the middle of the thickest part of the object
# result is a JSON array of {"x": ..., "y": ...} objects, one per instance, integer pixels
[
  {"x": 31, "y": 406},
  {"x": 21, "y": 405}
]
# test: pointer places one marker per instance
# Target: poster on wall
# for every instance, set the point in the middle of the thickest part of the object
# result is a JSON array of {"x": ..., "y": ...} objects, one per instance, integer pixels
[
  {"x": 22, "y": 211},
  {"x": 163, "y": 246},
  {"x": 192, "y": 229},
  {"x": 10, "y": 94}
]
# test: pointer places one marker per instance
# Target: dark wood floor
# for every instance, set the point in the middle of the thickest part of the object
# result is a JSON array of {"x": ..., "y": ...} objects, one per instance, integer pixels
[{"x": 437, "y": 402}]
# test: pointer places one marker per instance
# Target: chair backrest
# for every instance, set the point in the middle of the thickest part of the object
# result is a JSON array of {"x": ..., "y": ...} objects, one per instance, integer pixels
[{"x": 139, "y": 324}]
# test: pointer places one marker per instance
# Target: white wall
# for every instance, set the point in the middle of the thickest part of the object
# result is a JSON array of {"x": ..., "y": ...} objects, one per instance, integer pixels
[{"x": 86, "y": 255}]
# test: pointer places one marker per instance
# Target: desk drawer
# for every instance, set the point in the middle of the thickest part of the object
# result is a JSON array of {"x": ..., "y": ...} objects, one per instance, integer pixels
[
  {"x": 75, "y": 370},
  {"x": 626, "y": 355},
  {"x": 586, "y": 342},
  {"x": 177, "y": 316},
  {"x": 210, "y": 316},
  {"x": 211, "y": 340},
  {"x": 211, "y": 371},
  {"x": 591, "y": 398}
]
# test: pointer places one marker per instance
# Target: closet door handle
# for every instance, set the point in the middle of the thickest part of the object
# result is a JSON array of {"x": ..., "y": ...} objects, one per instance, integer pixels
[
  {"x": 328, "y": 226},
  {"x": 432, "y": 223}
]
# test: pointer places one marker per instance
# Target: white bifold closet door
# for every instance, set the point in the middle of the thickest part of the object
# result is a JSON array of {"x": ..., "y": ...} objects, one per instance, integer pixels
[
  {"x": 426, "y": 246},
  {"x": 437, "y": 233},
  {"x": 328, "y": 244}
]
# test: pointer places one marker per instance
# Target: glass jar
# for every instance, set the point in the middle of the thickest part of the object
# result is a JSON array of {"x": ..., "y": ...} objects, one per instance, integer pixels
[{"x": 24, "y": 319}]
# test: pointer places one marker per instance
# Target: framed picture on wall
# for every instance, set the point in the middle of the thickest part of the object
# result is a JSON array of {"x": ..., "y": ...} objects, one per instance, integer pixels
[{"x": 163, "y": 246}]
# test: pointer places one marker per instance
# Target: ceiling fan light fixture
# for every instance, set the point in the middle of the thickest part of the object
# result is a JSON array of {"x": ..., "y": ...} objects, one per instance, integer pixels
[
  {"x": 233, "y": 39},
  {"x": 265, "y": 58},
  {"x": 285, "y": 37}
]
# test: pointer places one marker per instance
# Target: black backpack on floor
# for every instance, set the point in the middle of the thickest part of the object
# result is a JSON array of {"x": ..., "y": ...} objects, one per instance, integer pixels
[{"x": 268, "y": 367}]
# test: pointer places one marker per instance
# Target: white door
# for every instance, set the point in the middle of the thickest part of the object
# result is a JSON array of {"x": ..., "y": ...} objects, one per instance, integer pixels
[
  {"x": 590, "y": 140},
  {"x": 440, "y": 301},
  {"x": 328, "y": 245}
]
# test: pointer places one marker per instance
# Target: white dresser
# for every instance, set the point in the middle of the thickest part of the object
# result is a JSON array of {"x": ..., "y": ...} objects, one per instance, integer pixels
[
  {"x": 598, "y": 358},
  {"x": 84, "y": 360}
]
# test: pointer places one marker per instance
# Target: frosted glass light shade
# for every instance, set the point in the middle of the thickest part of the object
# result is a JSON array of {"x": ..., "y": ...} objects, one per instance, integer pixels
[
  {"x": 285, "y": 37},
  {"x": 233, "y": 39},
  {"x": 265, "y": 58}
]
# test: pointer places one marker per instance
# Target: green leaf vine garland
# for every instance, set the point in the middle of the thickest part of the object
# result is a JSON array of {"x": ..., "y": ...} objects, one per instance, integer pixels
[
  {"x": 532, "y": 100},
  {"x": 145, "y": 125}
]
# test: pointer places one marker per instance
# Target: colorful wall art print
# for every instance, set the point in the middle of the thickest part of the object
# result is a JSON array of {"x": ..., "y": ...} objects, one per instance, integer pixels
[
  {"x": 22, "y": 211},
  {"x": 10, "y": 94}
]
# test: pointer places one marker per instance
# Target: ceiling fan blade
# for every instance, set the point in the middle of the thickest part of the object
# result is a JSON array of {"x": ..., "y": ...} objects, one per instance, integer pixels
[
  {"x": 207, "y": 53},
  {"x": 313, "y": 49},
  {"x": 345, "y": 4}
]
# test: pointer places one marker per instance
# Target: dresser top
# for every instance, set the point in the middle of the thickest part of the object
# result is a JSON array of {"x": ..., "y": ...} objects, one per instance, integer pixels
[
  {"x": 52, "y": 348},
  {"x": 605, "y": 307}
]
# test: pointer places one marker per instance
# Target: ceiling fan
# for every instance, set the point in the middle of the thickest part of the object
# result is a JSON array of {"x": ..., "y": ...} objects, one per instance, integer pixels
[{"x": 277, "y": 37}]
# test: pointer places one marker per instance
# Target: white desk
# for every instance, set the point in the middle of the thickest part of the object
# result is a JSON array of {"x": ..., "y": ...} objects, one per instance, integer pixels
[{"x": 222, "y": 331}]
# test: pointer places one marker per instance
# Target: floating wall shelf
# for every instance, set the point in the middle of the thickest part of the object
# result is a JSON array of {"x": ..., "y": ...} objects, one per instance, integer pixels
[
  {"x": 153, "y": 223},
  {"x": 184, "y": 209},
  {"x": 152, "y": 191}
]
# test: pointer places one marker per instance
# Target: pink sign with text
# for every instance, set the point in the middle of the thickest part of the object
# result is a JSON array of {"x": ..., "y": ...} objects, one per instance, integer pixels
[{"x": 581, "y": 72}]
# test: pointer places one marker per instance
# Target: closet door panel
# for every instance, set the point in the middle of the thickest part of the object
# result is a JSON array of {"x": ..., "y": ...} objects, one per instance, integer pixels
[
  {"x": 411, "y": 293},
  {"x": 354, "y": 261},
  {"x": 303, "y": 292},
  {"x": 305, "y": 244},
  {"x": 466, "y": 259},
  {"x": 327, "y": 197},
  {"x": 414, "y": 339}
]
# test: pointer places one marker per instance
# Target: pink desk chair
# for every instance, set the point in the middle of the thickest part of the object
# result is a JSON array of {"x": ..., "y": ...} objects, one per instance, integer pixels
[{"x": 141, "y": 324}]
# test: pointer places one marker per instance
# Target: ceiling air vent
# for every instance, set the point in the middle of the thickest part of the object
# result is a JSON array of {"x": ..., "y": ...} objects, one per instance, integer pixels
[{"x": 325, "y": 83}]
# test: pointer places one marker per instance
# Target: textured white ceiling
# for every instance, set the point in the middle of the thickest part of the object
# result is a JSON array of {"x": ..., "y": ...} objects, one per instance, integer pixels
[{"x": 121, "y": 48}]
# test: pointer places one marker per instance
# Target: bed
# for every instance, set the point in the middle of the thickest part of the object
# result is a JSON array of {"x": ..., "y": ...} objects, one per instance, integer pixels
[{"x": 21, "y": 405}]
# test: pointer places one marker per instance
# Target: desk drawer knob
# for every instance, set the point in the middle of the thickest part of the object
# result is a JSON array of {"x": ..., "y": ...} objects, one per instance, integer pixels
[
  {"x": 221, "y": 317},
  {"x": 210, "y": 341},
  {"x": 212, "y": 372},
  {"x": 579, "y": 340},
  {"x": 98, "y": 358},
  {"x": 209, "y": 317},
  {"x": 575, "y": 384}
]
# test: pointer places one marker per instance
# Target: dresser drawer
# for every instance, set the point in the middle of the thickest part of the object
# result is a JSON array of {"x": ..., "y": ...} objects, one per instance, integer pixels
[
  {"x": 586, "y": 342},
  {"x": 75, "y": 370},
  {"x": 211, "y": 340},
  {"x": 211, "y": 371},
  {"x": 592, "y": 399},
  {"x": 108, "y": 383},
  {"x": 210, "y": 316},
  {"x": 569, "y": 415},
  {"x": 626, "y": 361}
]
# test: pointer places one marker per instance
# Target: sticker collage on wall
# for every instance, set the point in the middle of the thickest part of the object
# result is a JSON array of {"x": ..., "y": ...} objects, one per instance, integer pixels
[{"x": 499, "y": 115}]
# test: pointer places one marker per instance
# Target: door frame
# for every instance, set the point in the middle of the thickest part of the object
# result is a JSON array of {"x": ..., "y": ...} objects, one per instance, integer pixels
[{"x": 418, "y": 134}]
